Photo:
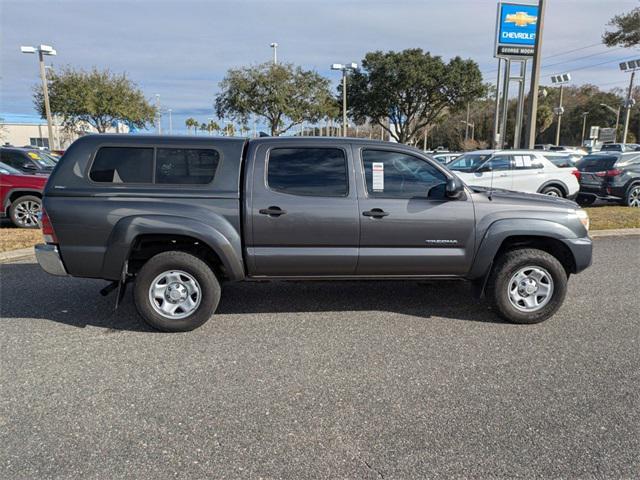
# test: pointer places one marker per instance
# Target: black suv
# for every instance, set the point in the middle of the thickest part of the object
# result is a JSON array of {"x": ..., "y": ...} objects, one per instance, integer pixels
[
  {"x": 610, "y": 176},
  {"x": 27, "y": 160}
]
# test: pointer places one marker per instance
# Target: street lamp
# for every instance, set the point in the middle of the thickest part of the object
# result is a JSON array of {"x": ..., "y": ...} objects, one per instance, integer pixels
[
  {"x": 344, "y": 69},
  {"x": 560, "y": 80},
  {"x": 617, "y": 113},
  {"x": 584, "y": 126},
  {"x": 43, "y": 50},
  {"x": 630, "y": 66},
  {"x": 274, "y": 45}
]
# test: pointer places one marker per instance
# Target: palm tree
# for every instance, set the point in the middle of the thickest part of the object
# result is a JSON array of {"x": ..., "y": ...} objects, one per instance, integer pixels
[
  {"x": 191, "y": 123},
  {"x": 213, "y": 127}
]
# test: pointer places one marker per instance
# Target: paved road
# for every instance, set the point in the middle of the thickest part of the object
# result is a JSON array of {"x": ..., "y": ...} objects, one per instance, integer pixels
[{"x": 323, "y": 380}]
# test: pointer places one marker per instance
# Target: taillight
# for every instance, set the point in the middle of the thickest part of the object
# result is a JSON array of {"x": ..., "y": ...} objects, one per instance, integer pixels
[
  {"x": 609, "y": 173},
  {"x": 576, "y": 173},
  {"x": 47, "y": 228}
]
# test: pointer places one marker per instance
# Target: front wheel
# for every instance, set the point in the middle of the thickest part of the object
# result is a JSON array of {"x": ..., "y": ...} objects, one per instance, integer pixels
[
  {"x": 24, "y": 211},
  {"x": 527, "y": 286},
  {"x": 176, "y": 292}
]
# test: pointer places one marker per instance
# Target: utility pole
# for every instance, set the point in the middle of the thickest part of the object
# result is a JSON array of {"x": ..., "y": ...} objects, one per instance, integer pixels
[
  {"x": 274, "y": 46},
  {"x": 628, "y": 104},
  {"x": 535, "y": 78},
  {"x": 170, "y": 124},
  {"x": 159, "y": 114},
  {"x": 43, "y": 50},
  {"x": 584, "y": 126},
  {"x": 466, "y": 124}
]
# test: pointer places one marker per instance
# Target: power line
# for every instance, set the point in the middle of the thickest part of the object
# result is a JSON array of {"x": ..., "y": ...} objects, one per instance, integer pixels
[
  {"x": 598, "y": 64},
  {"x": 581, "y": 58}
]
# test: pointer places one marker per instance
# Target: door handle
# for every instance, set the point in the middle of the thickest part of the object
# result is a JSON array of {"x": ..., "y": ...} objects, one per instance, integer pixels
[
  {"x": 503, "y": 175},
  {"x": 272, "y": 211},
  {"x": 375, "y": 213}
]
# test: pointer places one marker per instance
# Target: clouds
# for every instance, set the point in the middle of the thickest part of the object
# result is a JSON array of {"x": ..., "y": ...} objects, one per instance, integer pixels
[{"x": 182, "y": 49}]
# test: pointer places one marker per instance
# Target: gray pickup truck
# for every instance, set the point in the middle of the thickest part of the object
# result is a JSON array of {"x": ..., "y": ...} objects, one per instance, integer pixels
[{"x": 179, "y": 216}]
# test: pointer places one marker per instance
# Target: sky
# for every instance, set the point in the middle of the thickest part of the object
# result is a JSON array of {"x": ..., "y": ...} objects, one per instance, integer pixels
[{"x": 182, "y": 49}]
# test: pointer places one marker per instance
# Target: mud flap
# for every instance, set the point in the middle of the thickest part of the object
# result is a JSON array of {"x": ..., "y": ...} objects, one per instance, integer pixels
[{"x": 122, "y": 284}]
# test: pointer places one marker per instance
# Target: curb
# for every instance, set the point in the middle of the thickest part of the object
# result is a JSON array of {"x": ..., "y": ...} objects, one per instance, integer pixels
[
  {"x": 620, "y": 232},
  {"x": 13, "y": 255}
]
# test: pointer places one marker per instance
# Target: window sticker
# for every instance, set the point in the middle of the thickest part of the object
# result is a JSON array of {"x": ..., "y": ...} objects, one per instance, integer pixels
[
  {"x": 523, "y": 161},
  {"x": 34, "y": 155},
  {"x": 378, "y": 176}
]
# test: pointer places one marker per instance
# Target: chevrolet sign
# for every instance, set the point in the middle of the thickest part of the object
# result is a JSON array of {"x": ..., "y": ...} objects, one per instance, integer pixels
[{"x": 516, "y": 30}]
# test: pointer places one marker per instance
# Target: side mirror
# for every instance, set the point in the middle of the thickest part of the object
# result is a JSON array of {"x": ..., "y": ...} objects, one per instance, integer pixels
[
  {"x": 485, "y": 168},
  {"x": 454, "y": 188}
]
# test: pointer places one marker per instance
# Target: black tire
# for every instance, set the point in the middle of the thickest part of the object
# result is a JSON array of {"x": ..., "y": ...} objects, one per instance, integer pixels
[
  {"x": 553, "y": 191},
  {"x": 23, "y": 211},
  {"x": 632, "y": 198},
  {"x": 506, "y": 266},
  {"x": 167, "y": 261},
  {"x": 585, "y": 200}
]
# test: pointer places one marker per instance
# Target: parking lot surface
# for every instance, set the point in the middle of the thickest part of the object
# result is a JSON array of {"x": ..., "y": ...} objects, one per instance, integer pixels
[{"x": 323, "y": 380}]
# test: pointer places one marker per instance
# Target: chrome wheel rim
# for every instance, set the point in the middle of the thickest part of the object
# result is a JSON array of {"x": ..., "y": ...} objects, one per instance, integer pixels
[
  {"x": 530, "y": 289},
  {"x": 175, "y": 294},
  {"x": 26, "y": 213},
  {"x": 634, "y": 197}
]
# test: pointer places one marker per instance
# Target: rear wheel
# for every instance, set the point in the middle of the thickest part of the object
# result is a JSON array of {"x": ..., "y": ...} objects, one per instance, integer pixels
[
  {"x": 176, "y": 292},
  {"x": 552, "y": 191},
  {"x": 585, "y": 200},
  {"x": 527, "y": 286},
  {"x": 24, "y": 211},
  {"x": 633, "y": 196}
]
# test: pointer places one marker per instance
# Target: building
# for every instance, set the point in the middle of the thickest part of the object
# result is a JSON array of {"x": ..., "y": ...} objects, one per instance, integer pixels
[{"x": 22, "y": 130}]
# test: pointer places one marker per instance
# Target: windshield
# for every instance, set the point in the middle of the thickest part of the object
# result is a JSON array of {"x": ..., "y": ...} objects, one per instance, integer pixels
[
  {"x": 468, "y": 162},
  {"x": 42, "y": 159},
  {"x": 4, "y": 168}
]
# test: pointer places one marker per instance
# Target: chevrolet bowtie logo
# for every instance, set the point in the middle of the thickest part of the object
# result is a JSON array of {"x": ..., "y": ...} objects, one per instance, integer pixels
[{"x": 521, "y": 19}]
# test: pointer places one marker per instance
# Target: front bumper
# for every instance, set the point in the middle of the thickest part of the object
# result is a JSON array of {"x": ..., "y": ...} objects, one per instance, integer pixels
[
  {"x": 49, "y": 259},
  {"x": 582, "y": 250}
]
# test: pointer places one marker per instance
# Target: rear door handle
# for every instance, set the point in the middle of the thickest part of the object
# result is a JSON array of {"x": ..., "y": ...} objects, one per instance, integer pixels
[
  {"x": 375, "y": 213},
  {"x": 272, "y": 211}
]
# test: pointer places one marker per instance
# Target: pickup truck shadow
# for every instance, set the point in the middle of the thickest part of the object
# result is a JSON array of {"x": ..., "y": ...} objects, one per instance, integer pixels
[{"x": 27, "y": 292}]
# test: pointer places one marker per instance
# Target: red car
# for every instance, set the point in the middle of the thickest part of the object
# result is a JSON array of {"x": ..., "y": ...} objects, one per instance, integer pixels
[{"x": 21, "y": 196}]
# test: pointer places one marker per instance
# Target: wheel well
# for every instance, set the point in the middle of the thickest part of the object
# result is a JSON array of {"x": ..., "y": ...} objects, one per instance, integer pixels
[
  {"x": 550, "y": 245},
  {"x": 146, "y": 246},
  {"x": 559, "y": 186},
  {"x": 13, "y": 196}
]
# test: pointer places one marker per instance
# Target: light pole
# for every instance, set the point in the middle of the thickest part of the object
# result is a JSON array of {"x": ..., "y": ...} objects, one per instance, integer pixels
[
  {"x": 631, "y": 66},
  {"x": 559, "y": 111},
  {"x": 617, "y": 113},
  {"x": 584, "y": 126},
  {"x": 344, "y": 68},
  {"x": 274, "y": 45},
  {"x": 43, "y": 50},
  {"x": 159, "y": 113},
  {"x": 170, "y": 123}
]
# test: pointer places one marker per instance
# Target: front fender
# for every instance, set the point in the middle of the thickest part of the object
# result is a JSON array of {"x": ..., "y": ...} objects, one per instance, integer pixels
[
  {"x": 217, "y": 233},
  {"x": 500, "y": 230}
]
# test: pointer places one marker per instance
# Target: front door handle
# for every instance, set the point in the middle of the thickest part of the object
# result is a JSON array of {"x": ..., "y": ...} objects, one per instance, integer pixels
[
  {"x": 503, "y": 175},
  {"x": 375, "y": 213},
  {"x": 272, "y": 211}
]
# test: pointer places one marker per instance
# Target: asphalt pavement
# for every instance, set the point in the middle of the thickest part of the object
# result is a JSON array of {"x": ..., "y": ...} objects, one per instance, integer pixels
[{"x": 322, "y": 380}]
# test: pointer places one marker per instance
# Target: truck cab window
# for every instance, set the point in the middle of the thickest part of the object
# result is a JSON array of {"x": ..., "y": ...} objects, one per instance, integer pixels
[
  {"x": 398, "y": 175},
  {"x": 320, "y": 172},
  {"x": 123, "y": 165}
]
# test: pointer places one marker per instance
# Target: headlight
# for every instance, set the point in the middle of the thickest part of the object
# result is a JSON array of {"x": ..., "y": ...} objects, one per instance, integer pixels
[{"x": 583, "y": 217}]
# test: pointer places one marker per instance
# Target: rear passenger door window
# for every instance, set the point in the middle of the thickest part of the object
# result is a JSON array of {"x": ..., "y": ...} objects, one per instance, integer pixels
[
  {"x": 193, "y": 166},
  {"x": 320, "y": 172},
  {"x": 123, "y": 165}
]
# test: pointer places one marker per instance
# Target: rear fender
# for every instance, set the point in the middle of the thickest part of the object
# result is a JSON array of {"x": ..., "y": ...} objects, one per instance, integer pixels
[{"x": 217, "y": 233}]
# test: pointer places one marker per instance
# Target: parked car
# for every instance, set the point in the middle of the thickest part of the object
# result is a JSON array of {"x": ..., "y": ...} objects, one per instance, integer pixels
[
  {"x": 179, "y": 215},
  {"x": 610, "y": 176},
  {"x": 519, "y": 170},
  {"x": 445, "y": 158},
  {"x": 620, "y": 147},
  {"x": 21, "y": 196},
  {"x": 27, "y": 160}
]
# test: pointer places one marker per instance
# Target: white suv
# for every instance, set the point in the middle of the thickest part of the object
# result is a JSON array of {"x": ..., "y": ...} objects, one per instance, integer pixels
[{"x": 519, "y": 170}]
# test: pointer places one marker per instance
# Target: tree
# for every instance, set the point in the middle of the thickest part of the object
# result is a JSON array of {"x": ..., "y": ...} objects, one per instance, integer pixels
[
  {"x": 410, "y": 89},
  {"x": 626, "y": 32},
  {"x": 191, "y": 123},
  {"x": 97, "y": 98},
  {"x": 284, "y": 95},
  {"x": 213, "y": 126},
  {"x": 204, "y": 127}
]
